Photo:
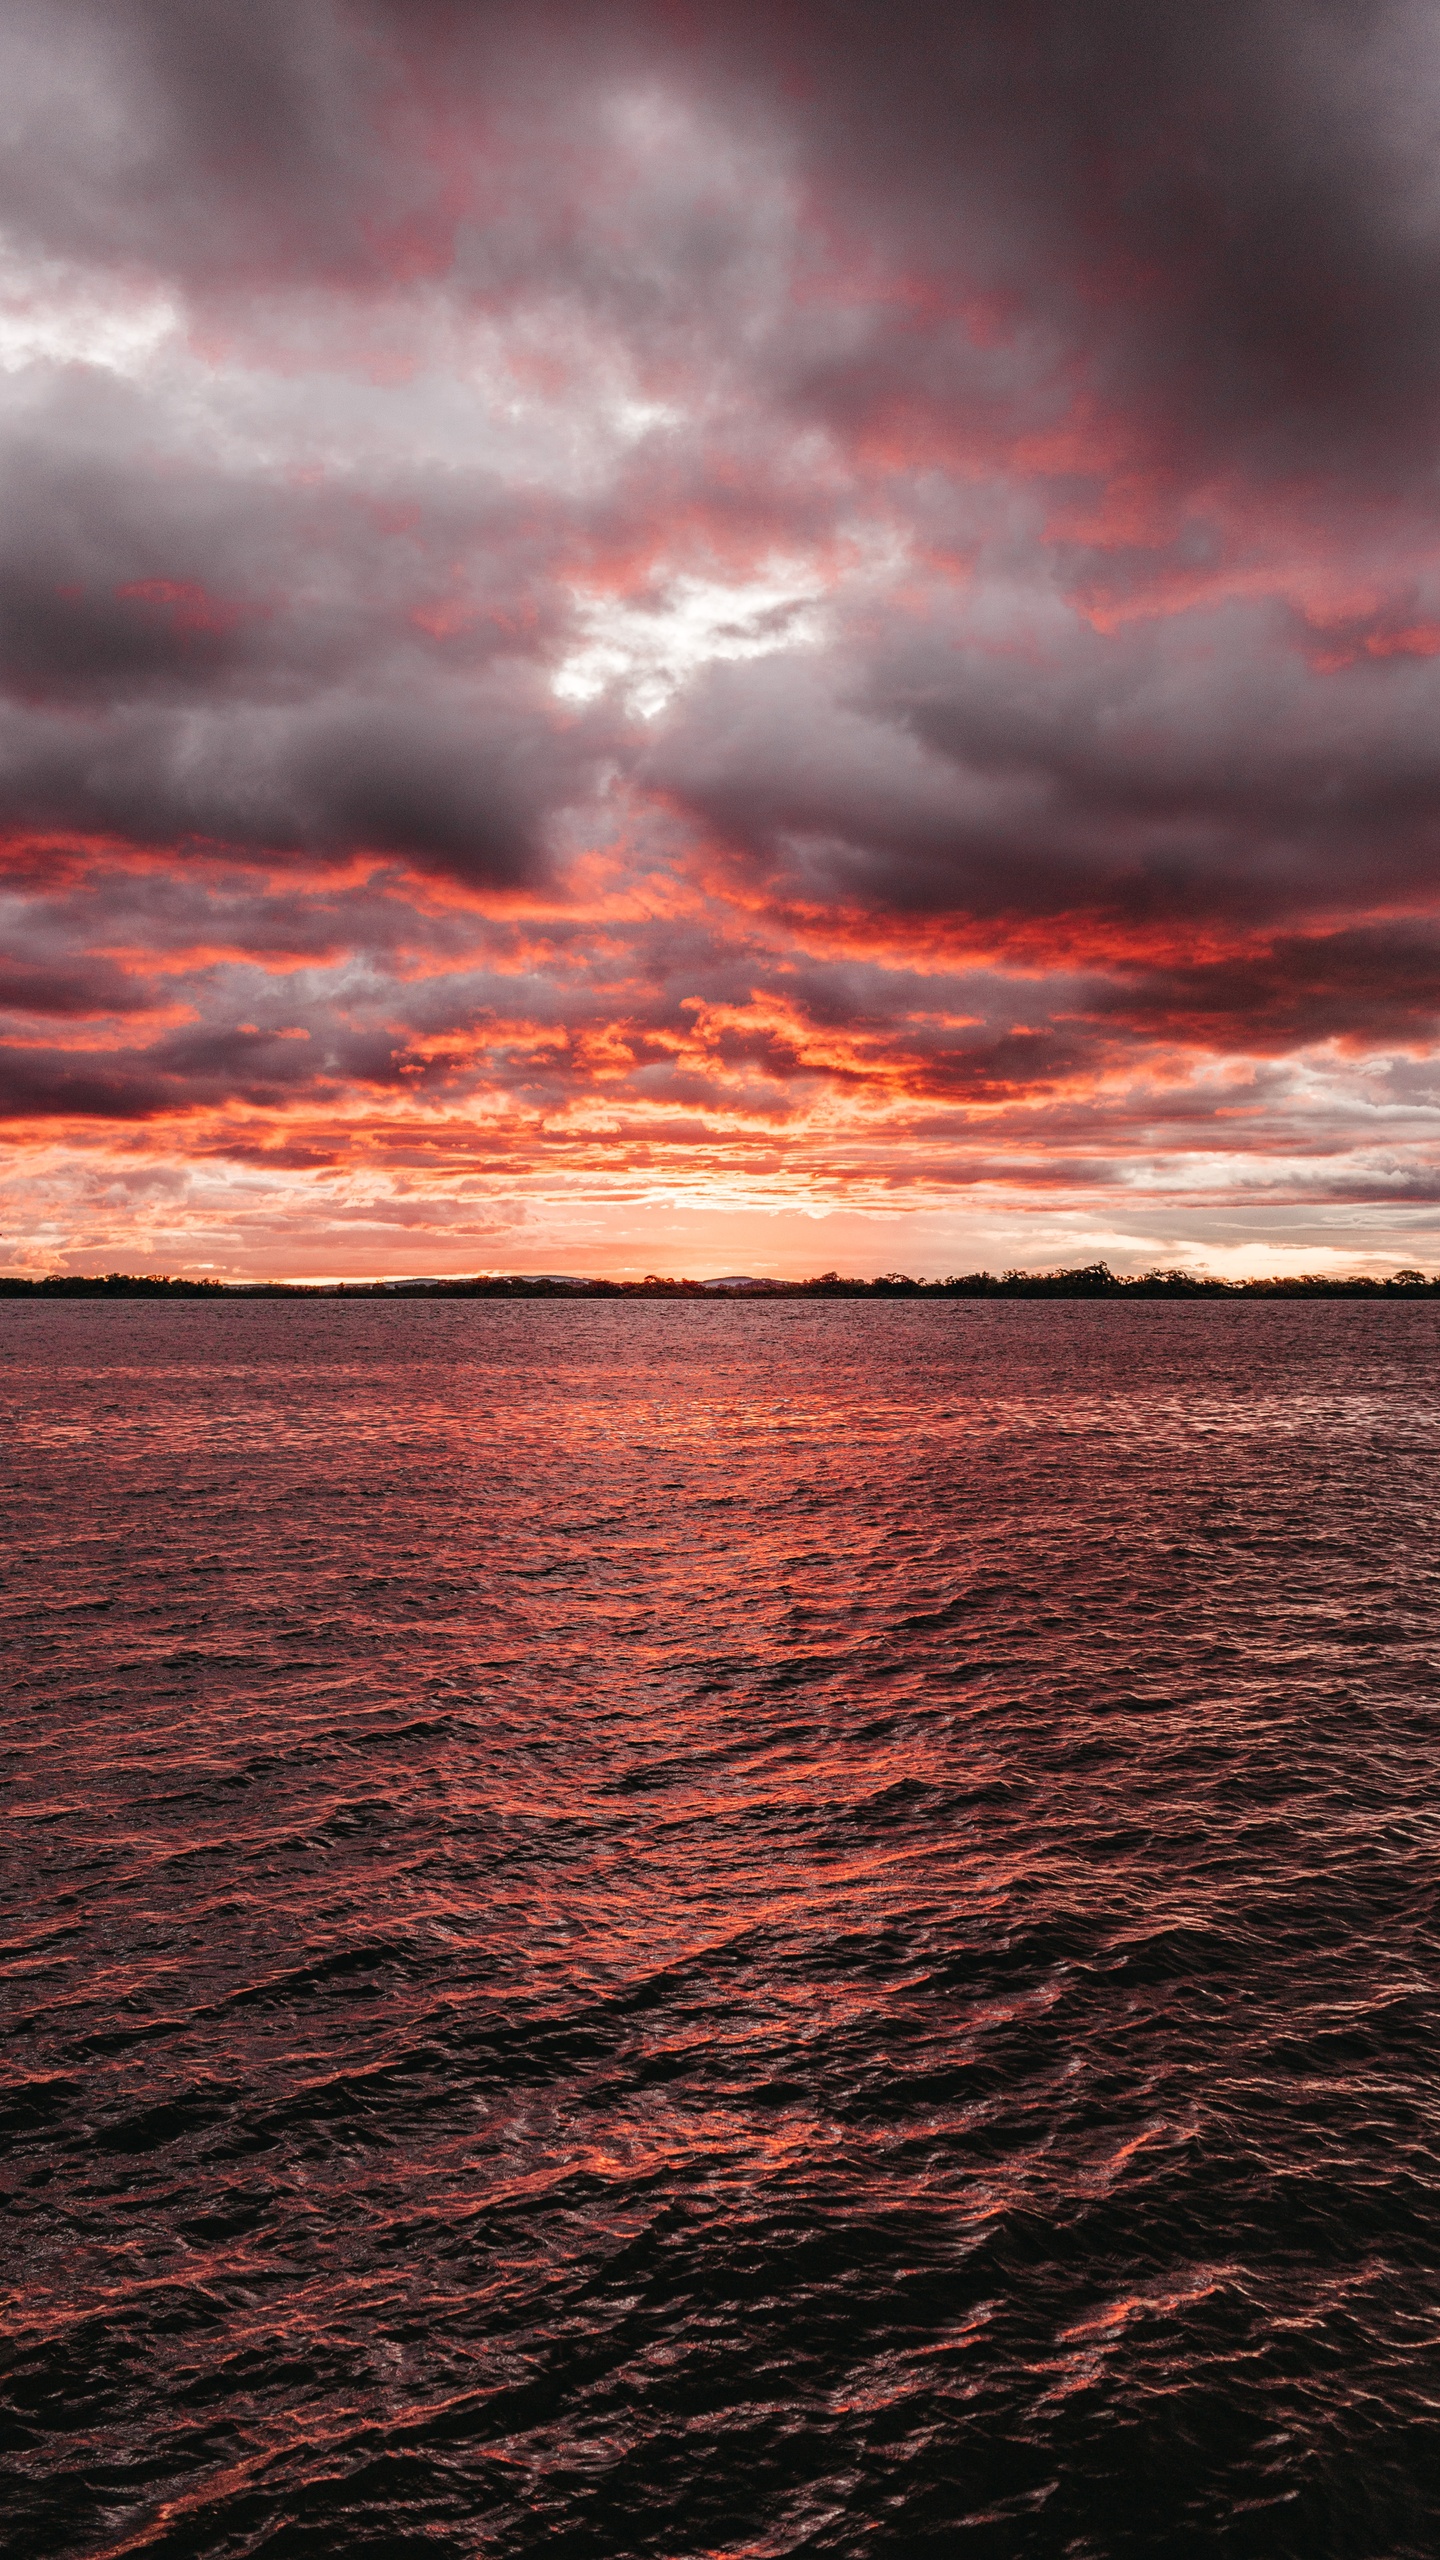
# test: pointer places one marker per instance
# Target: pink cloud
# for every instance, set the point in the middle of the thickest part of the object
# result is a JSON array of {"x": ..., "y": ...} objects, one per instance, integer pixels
[{"x": 645, "y": 609}]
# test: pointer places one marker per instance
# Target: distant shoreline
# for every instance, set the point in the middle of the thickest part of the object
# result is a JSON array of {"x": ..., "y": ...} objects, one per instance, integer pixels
[{"x": 1089, "y": 1280}]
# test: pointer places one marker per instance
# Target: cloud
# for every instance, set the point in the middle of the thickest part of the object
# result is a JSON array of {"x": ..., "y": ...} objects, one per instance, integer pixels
[{"x": 846, "y": 601}]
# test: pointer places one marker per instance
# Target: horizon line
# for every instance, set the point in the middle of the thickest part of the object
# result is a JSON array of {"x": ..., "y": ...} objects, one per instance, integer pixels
[{"x": 1082, "y": 1280}]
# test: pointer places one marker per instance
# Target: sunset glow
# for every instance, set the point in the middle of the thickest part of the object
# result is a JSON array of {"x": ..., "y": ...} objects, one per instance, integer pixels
[{"x": 661, "y": 639}]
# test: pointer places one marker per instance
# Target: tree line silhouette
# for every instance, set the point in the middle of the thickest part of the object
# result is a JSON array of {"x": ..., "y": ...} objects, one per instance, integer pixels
[{"x": 1083, "y": 1280}]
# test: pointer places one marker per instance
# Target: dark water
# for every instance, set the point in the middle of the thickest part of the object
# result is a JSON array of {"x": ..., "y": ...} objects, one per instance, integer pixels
[{"x": 722, "y": 1931}]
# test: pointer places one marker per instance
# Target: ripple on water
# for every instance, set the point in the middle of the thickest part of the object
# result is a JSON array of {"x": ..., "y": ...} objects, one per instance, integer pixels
[{"x": 721, "y": 1930}]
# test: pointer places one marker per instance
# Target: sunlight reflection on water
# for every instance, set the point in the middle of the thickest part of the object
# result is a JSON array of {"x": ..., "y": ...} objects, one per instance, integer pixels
[{"x": 665, "y": 1929}]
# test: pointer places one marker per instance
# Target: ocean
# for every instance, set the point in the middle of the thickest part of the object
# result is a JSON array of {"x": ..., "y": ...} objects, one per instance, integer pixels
[{"x": 721, "y": 1930}]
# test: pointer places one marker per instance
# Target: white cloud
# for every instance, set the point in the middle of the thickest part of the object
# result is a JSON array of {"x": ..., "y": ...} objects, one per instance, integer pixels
[
  {"x": 651, "y": 650},
  {"x": 53, "y": 314}
]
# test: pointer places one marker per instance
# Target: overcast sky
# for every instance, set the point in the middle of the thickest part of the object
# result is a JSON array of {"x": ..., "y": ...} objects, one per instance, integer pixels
[{"x": 688, "y": 638}]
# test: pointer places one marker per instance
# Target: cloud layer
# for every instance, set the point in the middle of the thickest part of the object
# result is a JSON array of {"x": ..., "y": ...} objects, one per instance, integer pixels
[{"x": 626, "y": 635}]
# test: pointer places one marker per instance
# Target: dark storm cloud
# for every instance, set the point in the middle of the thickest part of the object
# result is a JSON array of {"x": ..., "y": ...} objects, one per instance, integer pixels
[
  {"x": 1225, "y": 208},
  {"x": 39, "y": 1084},
  {"x": 76, "y": 989},
  {"x": 195, "y": 136},
  {"x": 1190, "y": 769},
  {"x": 421, "y": 779},
  {"x": 1086, "y": 358},
  {"x": 204, "y": 1068},
  {"x": 1365, "y": 988},
  {"x": 195, "y": 655}
]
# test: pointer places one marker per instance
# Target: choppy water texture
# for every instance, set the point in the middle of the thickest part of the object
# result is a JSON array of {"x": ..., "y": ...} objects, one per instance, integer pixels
[{"x": 722, "y": 1930}]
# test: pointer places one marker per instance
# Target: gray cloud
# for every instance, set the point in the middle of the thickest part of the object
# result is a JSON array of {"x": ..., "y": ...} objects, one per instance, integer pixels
[{"x": 1085, "y": 362}]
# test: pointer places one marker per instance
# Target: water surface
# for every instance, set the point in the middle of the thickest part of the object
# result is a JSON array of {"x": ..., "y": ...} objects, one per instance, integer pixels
[{"x": 717, "y": 1931}]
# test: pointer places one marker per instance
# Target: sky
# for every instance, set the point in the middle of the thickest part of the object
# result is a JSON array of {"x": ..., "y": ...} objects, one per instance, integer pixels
[{"x": 664, "y": 638}]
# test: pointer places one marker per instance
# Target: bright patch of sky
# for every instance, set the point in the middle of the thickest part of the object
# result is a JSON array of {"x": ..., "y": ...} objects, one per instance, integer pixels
[
  {"x": 56, "y": 315},
  {"x": 650, "y": 650}
]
